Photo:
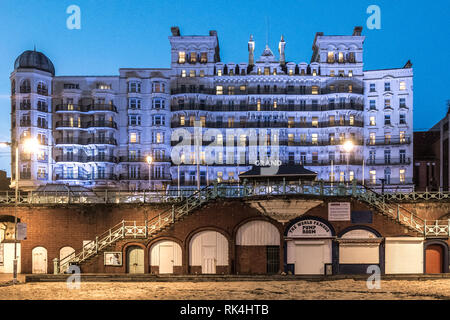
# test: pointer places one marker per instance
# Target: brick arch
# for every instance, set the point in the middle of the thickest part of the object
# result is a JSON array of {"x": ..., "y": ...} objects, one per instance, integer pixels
[
  {"x": 445, "y": 253},
  {"x": 231, "y": 245},
  {"x": 184, "y": 252},
  {"x": 125, "y": 248},
  {"x": 359, "y": 227},
  {"x": 275, "y": 223}
]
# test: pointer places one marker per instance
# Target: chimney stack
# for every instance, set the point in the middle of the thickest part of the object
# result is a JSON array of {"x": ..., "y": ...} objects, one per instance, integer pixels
[
  {"x": 251, "y": 51},
  {"x": 175, "y": 31},
  {"x": 281, "y": 46},
  {"x": 357, "y": 31}
]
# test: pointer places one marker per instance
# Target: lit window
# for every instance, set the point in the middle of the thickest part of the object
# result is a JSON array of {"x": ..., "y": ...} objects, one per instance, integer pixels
[
  {"x": 341, "y": 57},
  {"x": 350, "y": 88},
  {"x": 331, "y": 73},
  {"x": 181, "y": 57},
  {"x": 350, "y": 73},
  {"x": 219, "y": 176},
  {"x": 352, "y": 120},
  {"x": 373, "y": 176},
  {"x": 243, "y": 139},
  {"x": 193, "y": 57},
  {"x": 183, "y": 73},
  {"x": 314, "y": 73},
  {"x": 402, "y": 137},
  {"x": 231, "y": 90},
  {"x": 372, "y": 138},
  {"x": 219, "y": 90},
  {"x": 182, "y": 121},
  {"x": 315, "y": 90},
  {"x": 274, "y": 104},
  {"x": 231, "y": 72},
  {"x": 331, "y": 120},
  {"x": 290, "y": 122},
  {"x": 314, "y": 139},
  {"x": 133, "y": 137},
  {"x": 274, "y": 71},
  {"x": 204, "y": 57},
  {"x": 291, "y": 72},
  {"x": 387, "y": 103},
  {"x": 402, "y": 85},
  {"x": 192, "y": 73},
  {"x": 342, "y": 176},
  {"x": 219, "y": 139},
  {"x": 219, "y": 72},
  {"x": 266, "y": 71},
  {"x": 330, "y": 58},
  {"x": 315, "y": 122},
  {"x": 402, "y": 175},
  {"x": 258, "y": 105},
  {"x": 259, "y": 71},
  {"x": 352, "y": 175},
  {"x": 203, "y": 121},
  {"x": 159, "y": 137},
  {"x": 242, "y": 88},
  {"x": 372, "y": 121},
  {"x": 202, "y": 73},
  {"x": 291, "y": 137}
]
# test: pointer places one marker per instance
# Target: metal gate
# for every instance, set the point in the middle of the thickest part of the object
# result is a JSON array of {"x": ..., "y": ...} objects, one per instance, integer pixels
[{"x": 273, "y": 259}]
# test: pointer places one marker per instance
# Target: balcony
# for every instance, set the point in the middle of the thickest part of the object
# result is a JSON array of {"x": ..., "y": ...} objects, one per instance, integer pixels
[
  {"x": 102, "y": 140},
  {"x": 102, "y": 124},
  {"x": 71, "y": 124},
  {"x": 25, "y": 89},
  {"x": 84, "y": 159},
  {"x": 143, "y": 159},
  {"x": 25, "y": 106},
  {"x": 25, "y": 175},
  {"x": 88, "y": 108},
  {"x": 144, "y": 177},
  {"x": 68, "y": 176},
  {"x": 388, "y": 161},
  {"x": 42, "y": 176},
  {"x": 393, "y": 140},
  {"x": 25, "y": 123}
]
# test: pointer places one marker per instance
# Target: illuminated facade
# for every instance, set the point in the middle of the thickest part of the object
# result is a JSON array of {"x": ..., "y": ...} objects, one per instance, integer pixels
[{"x": 97, "y": 131}]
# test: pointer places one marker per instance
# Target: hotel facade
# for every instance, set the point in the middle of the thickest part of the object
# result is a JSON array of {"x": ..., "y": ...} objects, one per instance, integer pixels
[{"x": 97, "y": 131}]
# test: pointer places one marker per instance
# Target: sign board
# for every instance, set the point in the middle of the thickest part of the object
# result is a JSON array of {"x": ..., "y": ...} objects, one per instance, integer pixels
[
  {"x": 309, "y": 228},
  {"x": 339, "y": 211},
  {"x": 113, "y": 258},
  {"x": 21, "y": 231}
]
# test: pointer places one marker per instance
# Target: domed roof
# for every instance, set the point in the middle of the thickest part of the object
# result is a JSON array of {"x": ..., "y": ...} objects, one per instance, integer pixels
[{"x": 34, "y": 60}]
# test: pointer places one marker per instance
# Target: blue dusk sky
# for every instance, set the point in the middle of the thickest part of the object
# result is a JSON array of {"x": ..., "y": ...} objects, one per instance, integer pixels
[{"x": 133, "y": 33}]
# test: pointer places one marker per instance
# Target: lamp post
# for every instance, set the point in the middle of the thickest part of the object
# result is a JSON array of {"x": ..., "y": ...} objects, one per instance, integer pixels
[
  {"x": 348, "y": 147},
  {"x": 31, "y": 146},
  {"x": 149, "y": 160}
]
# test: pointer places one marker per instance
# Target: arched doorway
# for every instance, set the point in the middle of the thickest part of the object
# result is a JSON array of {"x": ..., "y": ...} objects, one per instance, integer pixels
[
  {"x": 165, "y": 257},
  {"x": 39, "y": 260},
  {"x": 208, "y": 253},
  {"x": 135, "y": 259},
  {"x": 434, "y": 258},
  {"x": 257, "y": 240},
  {"x": 66, "y": 252},
  {"x": 309, "y": 246}
]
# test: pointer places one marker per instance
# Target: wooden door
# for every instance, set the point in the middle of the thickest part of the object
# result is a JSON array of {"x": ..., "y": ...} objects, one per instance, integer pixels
[
  {"x": 166, "y": 259},
  {"x": 135, "y": 260},
  {"x": 209, "y": 260},
  {"x": 434, "y": 259},
  {"x": 39, "y": 260}
]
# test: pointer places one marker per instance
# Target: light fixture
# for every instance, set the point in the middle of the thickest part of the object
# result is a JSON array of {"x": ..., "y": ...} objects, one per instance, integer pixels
[
  {"x": 149, "y": 159},
  {"x": 348, "y": 146},
  {"x": 31, "y": 145}
]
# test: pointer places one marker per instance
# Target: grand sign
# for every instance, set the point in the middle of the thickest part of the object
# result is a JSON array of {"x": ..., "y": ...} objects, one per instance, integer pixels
[{"x": 309, "y": 228}]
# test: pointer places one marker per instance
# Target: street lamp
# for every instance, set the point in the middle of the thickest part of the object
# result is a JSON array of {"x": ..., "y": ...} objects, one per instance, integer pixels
[
  {"x": 30, "y": 145},
  {"x": 348, "y": 147},
  {"x": 149, "y": 160}
]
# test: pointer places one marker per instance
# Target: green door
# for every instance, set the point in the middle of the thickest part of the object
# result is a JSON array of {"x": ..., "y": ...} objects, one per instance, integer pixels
[{"x": 135, "y": 260}]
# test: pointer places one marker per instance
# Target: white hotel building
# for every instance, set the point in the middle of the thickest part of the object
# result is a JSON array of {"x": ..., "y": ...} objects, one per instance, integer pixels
[{"x": 97, "y": 131}]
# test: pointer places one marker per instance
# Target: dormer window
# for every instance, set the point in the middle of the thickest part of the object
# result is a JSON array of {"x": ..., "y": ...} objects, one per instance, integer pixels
[
  {"x": 193, "y": 57},
  {"x": 219, "y": 72},
  {"x": 204, "y": 57},
  {"x": 314, "y": 73},
  {"x": 266, "y": 71},
  {"x": 291, "y": 72},
  {"x": 181, "y": 57},
  {"x": 101, "y": 86}
]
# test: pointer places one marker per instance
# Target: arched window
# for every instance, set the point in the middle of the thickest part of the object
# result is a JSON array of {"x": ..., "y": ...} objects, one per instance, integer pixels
[
  {"x": 25, "y": 87},
  {"x": 42, "y": 89}
]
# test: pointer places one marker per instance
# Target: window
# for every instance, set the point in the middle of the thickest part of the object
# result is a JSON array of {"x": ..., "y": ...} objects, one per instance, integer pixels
[
  {"x": 372, "y": 87},
  {"x": 266, "y": 71},
  {"x": 350, "y": 73},
  {"x": 315, "y": 122},
  {"x": 402, "y": 103},
  {"x": 372, "y": 138},
  {"x": 387, "y": 103},
  {"x": 315, "y": 157},
  {"x": 387, "y": 119},
  {"x": 219, "y": 72},
  {"x": 402, "y": 175},
  {"x": 158, "y": 137},
  {"x": 402, "y": 118},
  {"x": 372, "y": 105},
  {"x": 258, "y": 105},
  {"x": 42, "y": 89},
  {"x": 159, "y": 103},
  {"x": 134, "y": 86},
  {"x": 231, "y": 72},
  {"x": 219, "y": 176},
  {"x": 341, "y": 57},
  {"x": 158, "y": 87},
  {"x": 372, "y": 121},
  {"x": 291, "y": 72},
  {"x": 330, "y": 57},
  {"x": 331, "y": 73},
  {"x": 204, "y": 57},
  {"x": 202, "y": 73},
  {"x": 219, "y": 90},
  {"x": 315, "y": 90},
  {"x": 314, "y": 73},
  {"x": 387, "y": 86},
  {"x": 350, "y": 88},
  {"x": 134, "y": 120},
  {"x": 373, "y": 176},
  {"x": 352, "y": 175},
  {"x": 387, "y": 156},
  {"x": 242, "y": 88},
  {"x": 275, "y": 104},
  {"x": 341, "y": 176},
  {"x": 331, "y": 120},
  {"x": 402, "y": 137},
  {"x": 314, "y": 138},
  {"x": 181, "y": 57},
  {"x": 183, "y": 73},
  {"x": 231, "y": 90},
  {"x": 102, "y": 86},
  {"x": 182, "y": 121},
  {"x": 193, "y": 57},
  {"x": 387, "y": 176},
  {"x": 192, "y": 73},
  {"x": 134, "y": 103},
  {"x": 402, "y": 154},
  {"x": 158, "y": 120},
  {"x": 134, "y": 137},
  {"x": 352, "y": 120},
  {"x": 331, "y": 138},
  {"x": 387, "y": 138},
  {"x": 402, "y": 85}
]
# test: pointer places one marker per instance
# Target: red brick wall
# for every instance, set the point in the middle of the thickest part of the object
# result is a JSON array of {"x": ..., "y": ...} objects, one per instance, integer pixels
[{"x": 54, "y": 227}]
